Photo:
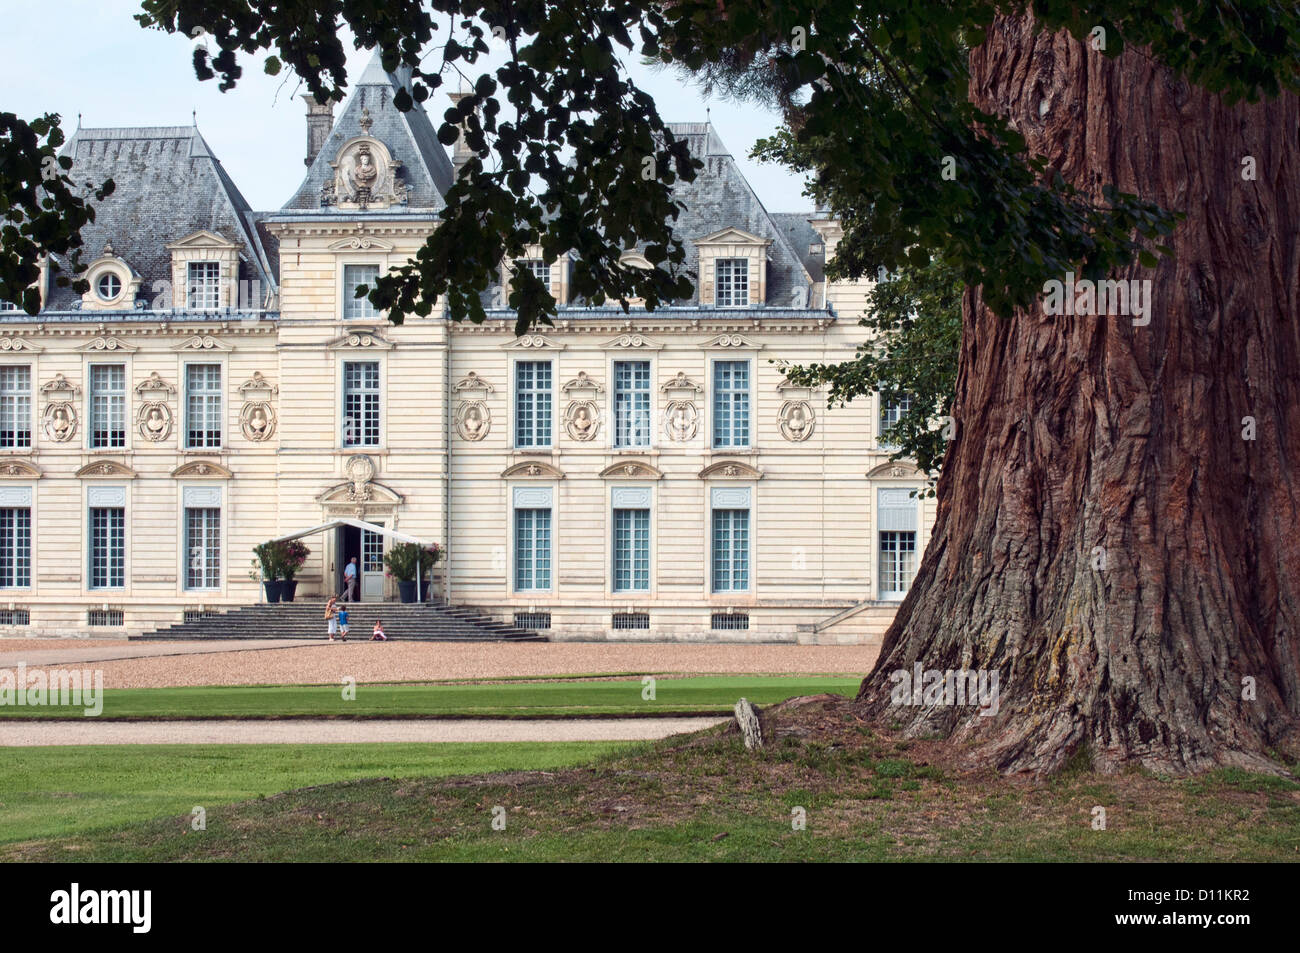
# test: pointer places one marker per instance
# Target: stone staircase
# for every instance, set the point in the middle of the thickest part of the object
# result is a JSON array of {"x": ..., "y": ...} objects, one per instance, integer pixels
[{"x": 305, "y": 620}]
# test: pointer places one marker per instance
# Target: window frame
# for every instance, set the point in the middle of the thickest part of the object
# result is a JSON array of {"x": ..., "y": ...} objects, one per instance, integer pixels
[
  {"x": 730, "y": 261},
  {"x": 190, "y": 303},
  {"x": 221, "y": 406},
  {"x": 347, "y": 301},
  {"x": 91, "y": 509},
  {"x": 515, "y": 565},
  {"x": 714, "y": 404},
  {"x": 17, "y": 397},
  {"x": 90, "y": 406},
  {"x": 616, "y": 435},
  {"x": 341, "y": 421},
  {"x": 516, "y": 416},
  {"x": 10, "y": 558}
]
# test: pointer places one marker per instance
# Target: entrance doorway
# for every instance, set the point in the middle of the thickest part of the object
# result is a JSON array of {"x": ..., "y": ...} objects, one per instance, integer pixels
[{"x": 368, "y": 549}]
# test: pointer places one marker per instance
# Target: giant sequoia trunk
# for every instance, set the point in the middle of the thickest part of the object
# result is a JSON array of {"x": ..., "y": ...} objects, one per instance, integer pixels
[{"x": 1109, "y": 539}]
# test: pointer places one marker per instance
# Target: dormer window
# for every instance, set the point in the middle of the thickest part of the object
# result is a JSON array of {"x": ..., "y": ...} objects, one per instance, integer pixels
[
  {"x": 732, "y": 277},
  {"x": 205, "y": 273},
  {"x": 203, "y": 288},
  {"x": 554, "y": 276},
  {"x": 733, "y": 269},
  {"x": 113, "y": 283},
  {"x": 540, "y": 269},
  {"x": 109, "y": 287}
]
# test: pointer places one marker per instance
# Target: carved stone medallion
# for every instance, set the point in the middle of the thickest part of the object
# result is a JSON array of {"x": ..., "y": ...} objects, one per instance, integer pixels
[
  {"x": 681, "y": 420},
  {"x": 796, "y": 420},
  {"x": 154, "y": 421},
  {"x": 473, "y": 420},
  {"x": 582, "y": 420},
  {"x": 257, "y": 420},
  {"x": 60, "y": 421}
]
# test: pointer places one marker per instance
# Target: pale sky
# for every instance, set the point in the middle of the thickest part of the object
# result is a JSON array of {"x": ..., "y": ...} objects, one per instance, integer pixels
[{"x": 91, "y": 57}]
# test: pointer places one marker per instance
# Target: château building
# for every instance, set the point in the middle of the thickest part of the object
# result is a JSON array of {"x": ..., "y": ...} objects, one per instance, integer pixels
[{"x": 650, "y": 475}]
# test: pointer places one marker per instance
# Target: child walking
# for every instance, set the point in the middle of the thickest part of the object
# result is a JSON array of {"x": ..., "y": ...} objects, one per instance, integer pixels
[
  {"x": 378, "y": 635},
  {"x": 331, "y": 617},
  {"x": 343, "y": 623}
]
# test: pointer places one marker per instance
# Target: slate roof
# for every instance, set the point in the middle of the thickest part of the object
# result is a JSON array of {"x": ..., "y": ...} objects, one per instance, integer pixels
[
  {"x": 803, "y": 237},
  {"x": 169, "y": 185},
  {"x": 721, "y": 197},
  {"x": 410, "y": 136}
]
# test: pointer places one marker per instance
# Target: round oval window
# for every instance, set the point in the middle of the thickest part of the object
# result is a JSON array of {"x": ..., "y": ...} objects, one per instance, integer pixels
[{"x": 110, "y": 286}]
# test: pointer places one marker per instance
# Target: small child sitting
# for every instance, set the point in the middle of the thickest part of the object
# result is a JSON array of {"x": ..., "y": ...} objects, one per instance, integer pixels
[{"x": 378, "y": 635}]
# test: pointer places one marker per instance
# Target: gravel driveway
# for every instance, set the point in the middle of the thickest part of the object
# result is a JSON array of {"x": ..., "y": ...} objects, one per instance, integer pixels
[{"x": 324, "y": 663}]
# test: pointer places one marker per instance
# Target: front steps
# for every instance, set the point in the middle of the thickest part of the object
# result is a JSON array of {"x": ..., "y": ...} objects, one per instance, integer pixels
[{"x": 306, "y": 620}]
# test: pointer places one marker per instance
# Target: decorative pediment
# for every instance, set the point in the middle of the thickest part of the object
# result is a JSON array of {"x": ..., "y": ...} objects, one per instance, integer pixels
[
  {"x": 631, "y": 470},
  {"x": 361, "y": 339},
  {"x": 15, "y": 343},
  {"x": 107, "y": 344},
  {"x": 60, "y": 386},
  {"x": 472, "y": 383},
  {"x": 202, "y": 342},
  {"x": 203, "y": 239},
  {"x": 635, "y": 341},
  {"x": 680, "y": 386},
  {"x": 19, "y": 469},
  {"x": 208, "y": 469},
  {"x": 533, "y": 468},
  {"x": 349, "y": 493},
  {"x": 730, "y": 470},
  {"x": 361, "y": 242},
  {"x": 154, "y": 385},
  {"x": 533, "y": 342},
  {"x": 738, "y": 341},
  {"x": 257, "y": 386},
  {"x": 895, "y": 470},
  {"x": 105, "y": 468},
  {"x": 794, "y": 391},
  {"x": 732, "y": 236},
  {"x": 582, "y": 385}
]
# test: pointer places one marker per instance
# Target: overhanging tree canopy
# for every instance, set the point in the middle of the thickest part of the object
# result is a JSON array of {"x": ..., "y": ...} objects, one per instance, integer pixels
[{"x": 1107, "y": 537}]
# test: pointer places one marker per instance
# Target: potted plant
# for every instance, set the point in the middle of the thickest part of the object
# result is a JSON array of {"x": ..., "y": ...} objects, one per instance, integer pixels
[
  {"x": 269, "y": 558},
  {"x": 293, "y": 555},
  {"x": 406, "y": 560}
]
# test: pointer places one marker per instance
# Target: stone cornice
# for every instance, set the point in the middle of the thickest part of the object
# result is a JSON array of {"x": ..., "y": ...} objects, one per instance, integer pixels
[
  {"x": 675, "y": 325},
  {"x": 348, "y": 227},
  {"x": 148, "y": 328}
]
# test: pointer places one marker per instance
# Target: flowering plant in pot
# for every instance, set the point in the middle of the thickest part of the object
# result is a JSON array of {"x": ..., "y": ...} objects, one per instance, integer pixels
[
  {"x": 293, "y": 555},
  {"x": 270, "y": 560},
  {"x": 405, "y": 560}
]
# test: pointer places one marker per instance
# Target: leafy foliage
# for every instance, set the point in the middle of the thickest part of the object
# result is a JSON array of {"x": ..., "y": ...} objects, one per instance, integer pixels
[
  {"x": 914, "y": 334},
  {"x": 402, "y": 558},
  {"x": 568, "y": 153},
  {"x": 41, "y": 211},
  {"x": 280, "y": 559}
]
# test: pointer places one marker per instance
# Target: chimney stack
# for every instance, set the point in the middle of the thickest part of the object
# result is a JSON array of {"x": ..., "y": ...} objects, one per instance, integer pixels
[
  {"x": 462, "y": 152},
  {"x": 320, "y": 120}
]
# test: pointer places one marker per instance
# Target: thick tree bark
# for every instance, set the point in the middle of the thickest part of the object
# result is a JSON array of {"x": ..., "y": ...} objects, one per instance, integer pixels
[{"x": 1081, "y": 432}]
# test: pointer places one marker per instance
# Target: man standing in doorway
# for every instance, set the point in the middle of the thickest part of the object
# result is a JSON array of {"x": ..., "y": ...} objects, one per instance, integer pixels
[{"x": 350, "y": 580}]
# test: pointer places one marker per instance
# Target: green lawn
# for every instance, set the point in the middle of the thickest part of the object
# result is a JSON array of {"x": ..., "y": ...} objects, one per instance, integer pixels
[
  {"x": 55, "y": 792},
  {"x": 864, "y": 796},
  {"x": 511, "y": 699}
]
